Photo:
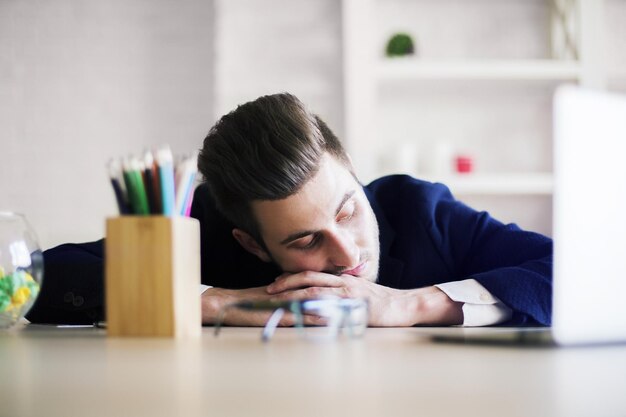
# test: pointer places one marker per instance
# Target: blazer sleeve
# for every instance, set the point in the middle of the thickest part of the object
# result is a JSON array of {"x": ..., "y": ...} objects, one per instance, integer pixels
[
  {"x": 72, "y": 291},
  {"x": 512, "y": 264}
]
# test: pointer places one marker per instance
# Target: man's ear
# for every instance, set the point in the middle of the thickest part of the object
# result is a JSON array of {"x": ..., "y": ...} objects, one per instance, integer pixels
[{"x": 251, "y": 245}]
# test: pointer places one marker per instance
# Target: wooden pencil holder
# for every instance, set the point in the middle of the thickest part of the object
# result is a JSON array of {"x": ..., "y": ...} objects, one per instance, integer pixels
[{"x": 152, "y": 271}]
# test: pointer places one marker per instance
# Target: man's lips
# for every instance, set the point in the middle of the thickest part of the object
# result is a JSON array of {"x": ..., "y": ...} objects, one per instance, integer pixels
[{"x": 356, "y": 271}]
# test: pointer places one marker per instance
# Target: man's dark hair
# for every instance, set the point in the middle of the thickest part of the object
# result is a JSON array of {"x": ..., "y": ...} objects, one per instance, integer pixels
[{"x": 266, "y": 149}]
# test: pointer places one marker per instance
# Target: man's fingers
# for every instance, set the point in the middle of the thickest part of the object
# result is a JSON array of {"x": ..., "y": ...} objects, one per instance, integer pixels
[
  {"x": 288, "y": 282},
  {"x": 283, "y": 275},
  {"x": 309, "y": 293}
]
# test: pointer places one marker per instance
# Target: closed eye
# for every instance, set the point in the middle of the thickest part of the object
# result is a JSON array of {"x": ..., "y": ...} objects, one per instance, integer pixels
[
  {"x": 312, "y": 243},
  {"x": 347, "y": 211}
]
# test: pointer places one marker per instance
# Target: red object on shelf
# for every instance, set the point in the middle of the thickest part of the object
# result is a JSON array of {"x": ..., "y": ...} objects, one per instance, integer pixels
[{"x": 464, "y": 164}]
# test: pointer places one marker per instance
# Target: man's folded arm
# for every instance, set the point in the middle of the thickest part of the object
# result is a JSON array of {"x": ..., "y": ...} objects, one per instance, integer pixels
[
  {"x": 514, "y": 266},
  {"x": 480, "y": 307},
  {"x": 72, "y": 291},
  {"x": 526, "y": 289}
]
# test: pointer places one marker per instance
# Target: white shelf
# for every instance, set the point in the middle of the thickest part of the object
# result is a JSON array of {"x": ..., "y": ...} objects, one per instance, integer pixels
[
  {"x": 417, "y": 69},
  {"x": 496, "y": 184}
]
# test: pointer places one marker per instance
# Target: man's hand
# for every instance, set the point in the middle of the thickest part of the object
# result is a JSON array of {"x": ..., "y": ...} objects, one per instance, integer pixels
[
  {"x": 215, "y": 299},
  {"x": 387, "y": 306}
]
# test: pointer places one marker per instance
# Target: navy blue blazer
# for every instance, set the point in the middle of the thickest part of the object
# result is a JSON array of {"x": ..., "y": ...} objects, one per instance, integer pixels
[{"x": 426, "y": 237}]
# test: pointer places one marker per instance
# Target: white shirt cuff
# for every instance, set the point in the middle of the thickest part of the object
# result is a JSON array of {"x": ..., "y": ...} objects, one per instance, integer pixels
[
  {"x": 203, "y": 288},
  {"x": 480, "y": 307}
]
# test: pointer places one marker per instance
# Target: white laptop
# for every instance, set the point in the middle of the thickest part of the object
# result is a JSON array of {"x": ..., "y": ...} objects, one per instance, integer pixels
[{"x": 589, "y": 295}]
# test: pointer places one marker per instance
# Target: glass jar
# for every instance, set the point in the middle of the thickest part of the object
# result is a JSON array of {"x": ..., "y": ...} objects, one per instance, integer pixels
[{"x": 21, "y": 268}]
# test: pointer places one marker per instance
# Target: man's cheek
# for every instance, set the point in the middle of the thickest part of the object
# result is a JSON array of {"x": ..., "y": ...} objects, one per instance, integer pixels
[
  {"x": 366, "y": 232},
  {"x": 302, "y": 263}
]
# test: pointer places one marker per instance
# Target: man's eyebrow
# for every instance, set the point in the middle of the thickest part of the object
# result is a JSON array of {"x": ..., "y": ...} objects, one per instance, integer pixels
[{"x": 298, "y": 235}]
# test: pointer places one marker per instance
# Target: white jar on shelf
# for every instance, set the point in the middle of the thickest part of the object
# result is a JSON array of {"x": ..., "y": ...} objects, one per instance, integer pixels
[{"x": 439, "y": 160}]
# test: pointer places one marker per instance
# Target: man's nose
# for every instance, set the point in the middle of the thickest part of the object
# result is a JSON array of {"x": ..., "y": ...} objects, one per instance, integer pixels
[{"x": 344, "y": 252}]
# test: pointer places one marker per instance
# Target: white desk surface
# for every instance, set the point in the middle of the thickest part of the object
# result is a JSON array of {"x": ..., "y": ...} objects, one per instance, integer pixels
[{"x": 46, "y": 371}]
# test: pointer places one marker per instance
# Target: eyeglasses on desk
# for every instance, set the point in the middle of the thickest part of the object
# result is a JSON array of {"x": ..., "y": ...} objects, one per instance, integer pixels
[{"x": 347, "y": 315}]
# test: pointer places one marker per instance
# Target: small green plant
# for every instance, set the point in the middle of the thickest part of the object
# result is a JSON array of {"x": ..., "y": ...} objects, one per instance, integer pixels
[{"x": 400, "y": 44}]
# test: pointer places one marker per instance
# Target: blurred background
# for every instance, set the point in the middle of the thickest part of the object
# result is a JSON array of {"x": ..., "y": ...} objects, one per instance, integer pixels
[{"x": 467, "y": 103}]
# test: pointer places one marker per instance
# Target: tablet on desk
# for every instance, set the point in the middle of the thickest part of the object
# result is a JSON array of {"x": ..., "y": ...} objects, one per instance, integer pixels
[
  {"x": 531, "y": 336},
  {"x": 589, "y": 226}
]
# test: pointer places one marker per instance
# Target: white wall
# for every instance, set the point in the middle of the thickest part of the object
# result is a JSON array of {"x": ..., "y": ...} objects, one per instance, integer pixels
[
  {"x": 615, "y": 13},
  {"x": 85, "y": 80},
  {"x": 271, "y": 46}
]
